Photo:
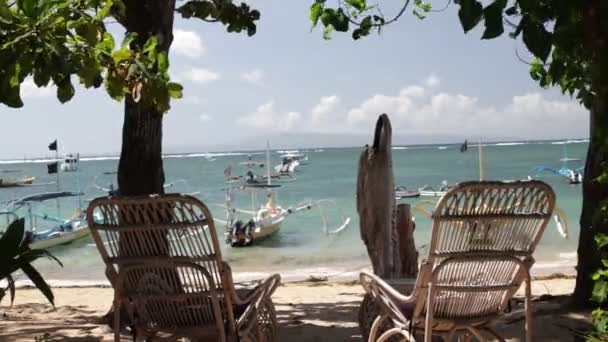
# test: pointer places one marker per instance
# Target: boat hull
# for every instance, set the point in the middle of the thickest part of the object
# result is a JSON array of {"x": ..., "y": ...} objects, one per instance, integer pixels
[
  {"x": 257, "y": 235},
  {"x": 63, "y": 239}
]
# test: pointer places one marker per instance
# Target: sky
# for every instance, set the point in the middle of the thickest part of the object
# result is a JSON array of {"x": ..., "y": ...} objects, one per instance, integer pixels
[{"x": 286, "y": 81}]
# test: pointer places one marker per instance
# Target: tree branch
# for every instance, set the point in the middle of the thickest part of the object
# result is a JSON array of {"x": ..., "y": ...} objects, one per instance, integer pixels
[{"x": 444, "y": 7}]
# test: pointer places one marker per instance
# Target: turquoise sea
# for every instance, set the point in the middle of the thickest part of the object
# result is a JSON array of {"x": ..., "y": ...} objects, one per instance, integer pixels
[{"x": 301, "y": 249}]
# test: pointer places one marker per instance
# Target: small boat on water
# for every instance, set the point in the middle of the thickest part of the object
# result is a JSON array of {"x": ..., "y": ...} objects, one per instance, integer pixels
[
  {"x": 13, "y": 183},
  {"x": 57, "y": 231},
  {"x": 571, "y": 175},
  {"x": 264, "y": 221},
  {"x": 403, "y": 192},
  {"x": 70, "y": 163},
  {"x": 429, "y": 191}
]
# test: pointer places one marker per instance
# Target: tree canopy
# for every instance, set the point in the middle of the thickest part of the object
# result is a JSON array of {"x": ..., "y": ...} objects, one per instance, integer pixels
[{"x": 53, "y": 40}]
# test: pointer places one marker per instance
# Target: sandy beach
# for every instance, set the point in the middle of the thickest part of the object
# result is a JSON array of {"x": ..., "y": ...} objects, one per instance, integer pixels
[{"x": 307, "y": 311}]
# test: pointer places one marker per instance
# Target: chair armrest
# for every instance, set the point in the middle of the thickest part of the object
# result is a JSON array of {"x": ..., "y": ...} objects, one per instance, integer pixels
[
  {"x": 372, "y": 282},
  {"x": 267, "y": 285},
  {"x": 257, "y": 298}
]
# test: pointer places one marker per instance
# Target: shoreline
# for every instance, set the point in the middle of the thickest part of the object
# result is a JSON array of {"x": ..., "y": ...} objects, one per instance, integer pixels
[{"x": 540, "y": 272}]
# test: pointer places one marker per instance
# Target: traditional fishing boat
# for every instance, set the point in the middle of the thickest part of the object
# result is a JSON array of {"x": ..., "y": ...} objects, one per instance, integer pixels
[
  {"x": 44, "y": 230},
  {"x": 12, "y": 183},
  {"x": 403, "y": 192},
  {"x": 263, "y": 221},
  {"x": 570, "y": 174}
]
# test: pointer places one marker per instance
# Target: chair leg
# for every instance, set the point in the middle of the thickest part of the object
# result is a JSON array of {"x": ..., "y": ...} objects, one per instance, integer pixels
[
  {"x": 494, "y": 334},
  {"x": 396, "y": 331},
  {"x": 528, "y": 309},
  {"x": 477, "y": 334},
  {"x": 116, "y": 320},
  {"x": 375, "y": 328},
  {"x": 428, "y": 325}
]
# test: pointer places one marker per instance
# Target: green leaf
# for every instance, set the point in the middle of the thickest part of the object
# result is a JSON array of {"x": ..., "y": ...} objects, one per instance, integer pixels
[
  {"x": 511, "y": 11},
  {"x": 65, "y": 90},
  {"x": 493, "y": 19},
  {"x": 536, "y": 38},
  {"x": 28, "y": 7},
  {"x": 175, "y": 90},
  {"x": 327, "y": 32},
  {"x": 315, "y": 12},
  {"x": 11, "y": 240},
  {"x": 470, "y": 14},
  {"x": 6, "y": 16},
  {"x": 105, "y": 10},
  {"x": 359, "y": 5},
  {"x": 162, "y": 61},
  {"x": 150, "y": 45},
  {"x": 129, "y": 38},
  {"x": 121, "y": 55},
  {"x": 107, "y": 43},
  {"x": 38, "y": 281}
]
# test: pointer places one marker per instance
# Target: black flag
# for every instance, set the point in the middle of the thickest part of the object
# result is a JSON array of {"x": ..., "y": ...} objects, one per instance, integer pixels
[
  {"x": 464, "y": 147},
  {"x": 53, "y": 146},
  {"x": 52, "y": 168}
]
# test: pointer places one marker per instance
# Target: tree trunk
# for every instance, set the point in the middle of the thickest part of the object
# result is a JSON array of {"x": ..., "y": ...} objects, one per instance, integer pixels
[
  {"x": 407, "y": 246},
  {"x": 140, "y": 169},
  {"x": 595, "y": 193}
]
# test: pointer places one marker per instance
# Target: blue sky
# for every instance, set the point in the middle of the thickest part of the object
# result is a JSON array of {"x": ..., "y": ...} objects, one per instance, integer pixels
[{"x": 427, "y": 75}]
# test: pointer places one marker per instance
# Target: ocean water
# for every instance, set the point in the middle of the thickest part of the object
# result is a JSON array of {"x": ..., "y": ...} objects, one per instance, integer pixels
[{"x": 301, "y": 248}]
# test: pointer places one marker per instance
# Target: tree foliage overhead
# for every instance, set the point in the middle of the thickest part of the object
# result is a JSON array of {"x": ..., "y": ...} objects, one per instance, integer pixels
[
  {"x": 553, "y": 31},
  {"x": 58, "y": 41}
]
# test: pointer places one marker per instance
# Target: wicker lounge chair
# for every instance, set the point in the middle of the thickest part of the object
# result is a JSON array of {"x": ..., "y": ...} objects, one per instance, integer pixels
[
  {"x": 163, "y": 259},
  {"x": 483, "y": 237}
]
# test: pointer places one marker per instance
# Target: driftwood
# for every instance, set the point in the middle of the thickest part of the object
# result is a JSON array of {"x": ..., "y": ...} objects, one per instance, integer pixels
[
  {"x": 376, "y": 201},
  {"x": 386, "y": 232},
  {"x": 386, "y": 229}
]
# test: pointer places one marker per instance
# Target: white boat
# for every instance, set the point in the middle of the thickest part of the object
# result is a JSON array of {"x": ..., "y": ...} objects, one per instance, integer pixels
[
  {"x": 429, "y": 191},
  {"x": 288, "y": 166},
  {"x": 266, "y": 220},
  {"x": 43, "y": 230},
  {"x": 295, "y": 156},
  {"x": 70, "y": 163}
]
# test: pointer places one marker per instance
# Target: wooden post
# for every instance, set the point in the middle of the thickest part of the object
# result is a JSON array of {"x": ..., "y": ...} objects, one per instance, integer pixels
[
  {"x": 407, "y": 247},
  {"x": 386, "y": 232},
  {"x": 386, "y": 229}
]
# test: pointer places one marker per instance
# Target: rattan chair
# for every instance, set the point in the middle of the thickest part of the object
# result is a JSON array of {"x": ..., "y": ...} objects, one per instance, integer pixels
[
  {"x": 164, "y": 262},
  {"x": 483, "y": 237}
]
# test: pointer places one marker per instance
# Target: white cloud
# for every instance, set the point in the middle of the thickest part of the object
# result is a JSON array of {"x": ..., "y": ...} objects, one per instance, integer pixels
[
  {"x": 320, "y": 112},
  {"x": 188, "y": 43},
  {"x": 189, "y": 99},
  {"x": 201, "y": 75},
  {"x": 29, "y": 89},
  {"x": 255, "y": 76},
  {"x": 525, "y": 116},
  {"x": 265, "y": 116},
  {"x": 432, "y": 81},
  {"x": 205, "y": 117}
]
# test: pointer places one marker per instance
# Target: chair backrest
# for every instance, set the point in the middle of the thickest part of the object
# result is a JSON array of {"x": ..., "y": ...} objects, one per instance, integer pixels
[
  {"x": 483, "y": 237},
  {"x": 155, "y": 229}
]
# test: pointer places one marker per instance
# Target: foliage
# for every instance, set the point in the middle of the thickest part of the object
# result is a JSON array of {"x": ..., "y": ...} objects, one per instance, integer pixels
[
  {"x": 561, "y": 58},
  {"x": 55, "y": 41},
  {"x": 15, "y": 254},
  {"x": 600, "y": 293}
]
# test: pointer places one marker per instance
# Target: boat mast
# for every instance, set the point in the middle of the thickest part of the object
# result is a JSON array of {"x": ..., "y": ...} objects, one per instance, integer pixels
[
  {"x": 57, "y": 173},
  {"x": 480, "y": 153},
  {"x": 268, "y": 161}
]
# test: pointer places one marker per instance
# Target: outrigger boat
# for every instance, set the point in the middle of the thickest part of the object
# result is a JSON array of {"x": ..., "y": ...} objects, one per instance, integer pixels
[
  {"x": 403, "y": 192},
  {"x": 264, "y": 221},
  {"x": 572, "y": 175},
  {"x": 13, "y": 183},
  {"x": 61, "y": 231}
]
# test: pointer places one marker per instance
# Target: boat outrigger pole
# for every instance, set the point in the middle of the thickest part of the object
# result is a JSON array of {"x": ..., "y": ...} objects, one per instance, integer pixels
[{"x": 480, "y": 153}]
